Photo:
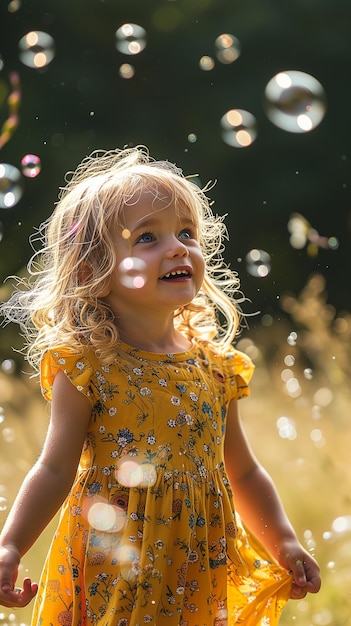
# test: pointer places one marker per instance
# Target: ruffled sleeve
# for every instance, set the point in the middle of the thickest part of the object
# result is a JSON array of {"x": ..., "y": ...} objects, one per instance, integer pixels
[
  {"x": 238, "y": 369},
  {"x": 76, "y": 367}
]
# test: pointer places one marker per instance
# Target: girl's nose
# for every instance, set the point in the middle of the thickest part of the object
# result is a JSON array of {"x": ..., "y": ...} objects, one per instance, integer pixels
[{"x": 177, "y": 248}]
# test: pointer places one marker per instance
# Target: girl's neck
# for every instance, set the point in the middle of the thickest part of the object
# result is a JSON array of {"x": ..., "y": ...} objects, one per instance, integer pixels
[{"x": 168, "y": 344}]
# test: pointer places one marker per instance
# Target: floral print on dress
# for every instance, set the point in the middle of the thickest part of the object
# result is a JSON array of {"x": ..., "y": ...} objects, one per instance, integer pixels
[{"x": 148, "y": 533}]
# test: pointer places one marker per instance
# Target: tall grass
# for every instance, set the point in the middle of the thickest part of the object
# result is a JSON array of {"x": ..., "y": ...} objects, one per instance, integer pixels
[{"x": 298, "y": 419}]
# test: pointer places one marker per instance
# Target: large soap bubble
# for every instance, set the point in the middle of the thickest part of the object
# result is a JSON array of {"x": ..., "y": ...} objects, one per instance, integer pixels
[
  {"x": 228, "y": 48},
  {"x": 295, "y": 101},
  {"x": 130, "y": 38},
  {"x": 36, "y": 49},
  {"x": 11, "y": 185}
]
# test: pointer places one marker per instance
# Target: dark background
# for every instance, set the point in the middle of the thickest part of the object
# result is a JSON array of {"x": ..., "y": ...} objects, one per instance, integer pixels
[{"x": 79, "y": 103}]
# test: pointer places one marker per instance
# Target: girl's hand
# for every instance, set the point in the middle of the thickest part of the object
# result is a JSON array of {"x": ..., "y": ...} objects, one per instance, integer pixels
[
  {"x": 11, "y": 596},
  {"x": 304, "y": 569}
]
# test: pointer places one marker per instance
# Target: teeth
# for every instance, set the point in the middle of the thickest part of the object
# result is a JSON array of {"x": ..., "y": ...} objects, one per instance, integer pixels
[{"x": 177, "y": 273}]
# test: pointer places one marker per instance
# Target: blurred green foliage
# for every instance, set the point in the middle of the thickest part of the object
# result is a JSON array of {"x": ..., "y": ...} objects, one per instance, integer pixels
[{"x": 79, "y": 102}]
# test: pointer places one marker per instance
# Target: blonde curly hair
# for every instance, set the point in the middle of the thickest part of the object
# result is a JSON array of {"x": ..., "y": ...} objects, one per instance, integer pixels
[{"x": 55, "y": 307}]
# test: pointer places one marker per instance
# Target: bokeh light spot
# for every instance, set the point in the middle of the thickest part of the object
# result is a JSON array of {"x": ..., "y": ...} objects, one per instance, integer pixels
[
  {"x": 133, "y": 474},
  {"x": 106, "y": 517},
  {"x": 132, "y": 272}
]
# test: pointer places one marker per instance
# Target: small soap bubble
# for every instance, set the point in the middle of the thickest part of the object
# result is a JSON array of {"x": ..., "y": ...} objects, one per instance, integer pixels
[
  {"x": 333, "y": 243},
  {"x": 36, "y": 49},
  {"x": 295, "y": 101},
  {"x": 192, "y": 138},
  {"x": 31, "y": 165},
  {"x": 293, "y": 387},
  {"x": 342, "y": 524},
  {"x": 14, "y": 6},
  {"x": 130, "y": 39},
  {"x": 258, "y": 263},
  {"x": 131, "y": 272},
  {"x": 286, "y": 428},
  {"x": 3, "y": 504},
  {"x": 8, "y": 435},
  {"x": 206, "y": 63},
  {"x": 8, "y": 366},
  {"x": 289, "y": 360},
  {"x": 228, "y": 48},
  {"x": 126, "y": 70},
  {"x": 308, "y": 373},
  {"x": 323, "y": 396},
  {"x": 291, "y": 339},
  {"x": 11, "y": 185},
  {"x": 239, "y": 128}
]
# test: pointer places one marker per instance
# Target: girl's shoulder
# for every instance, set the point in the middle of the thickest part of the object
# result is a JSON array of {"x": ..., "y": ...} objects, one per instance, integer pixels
[
  {"x": 230, "y": 366},
  {"x": 77, "y": 365}
]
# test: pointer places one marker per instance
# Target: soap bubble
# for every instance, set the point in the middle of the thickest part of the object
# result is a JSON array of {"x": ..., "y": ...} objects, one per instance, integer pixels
[
  {"x": 8, "y": 366},
  {"x": 132, "y": 474},
  {"x": 106, "y": 517},
  {"x": 239, "y": 128},
  {"x": 11, "y": 185},
  {"x": 131, "y": 271},
  {"x": 228, "y": 48},
  {"x": 130, "y": 39},
  {"x": 36, "y": 49},
  {"x": 286, "y": 428},
  {"x": 295, "y": 101},
  {"x": 8, "y": 435},
  {"x": 206, "y": 63},
  {"x": 342, "y": 524},
  {"x": 292, "y": 338},
  {"x": 31, "y": 165},
  {"x": 258, "y": 263},
  {"x": 126, "y": 70},
  {"x": 3, "y": 504}
]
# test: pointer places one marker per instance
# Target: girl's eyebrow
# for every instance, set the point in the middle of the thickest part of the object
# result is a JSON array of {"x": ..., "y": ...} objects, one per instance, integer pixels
[{"x": 150, "y": 220}]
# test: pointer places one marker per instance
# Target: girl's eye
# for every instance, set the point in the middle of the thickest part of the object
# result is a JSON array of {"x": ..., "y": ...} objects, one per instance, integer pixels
[
  {"x": 145, "y": 238},
  {"x": 187, "y": 233}
]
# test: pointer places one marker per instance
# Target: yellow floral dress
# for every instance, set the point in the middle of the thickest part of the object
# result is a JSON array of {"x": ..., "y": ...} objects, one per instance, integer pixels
[{"x": 148, "y": 533}]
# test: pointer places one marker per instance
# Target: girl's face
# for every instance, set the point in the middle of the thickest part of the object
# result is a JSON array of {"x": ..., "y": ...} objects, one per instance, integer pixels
[{"x": 159, "y": 265}]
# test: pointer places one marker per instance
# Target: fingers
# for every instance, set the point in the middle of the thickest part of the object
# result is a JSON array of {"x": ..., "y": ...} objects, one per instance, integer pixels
[
  {"x": 18, "y": 597},
  {"x": 306, "y": 577}
]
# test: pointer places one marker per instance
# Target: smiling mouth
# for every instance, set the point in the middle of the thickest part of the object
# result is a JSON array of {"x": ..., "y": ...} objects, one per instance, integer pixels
[{"x": 176, "y": 274}]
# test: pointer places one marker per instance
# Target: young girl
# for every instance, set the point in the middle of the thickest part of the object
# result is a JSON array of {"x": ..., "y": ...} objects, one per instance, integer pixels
[{"x": 144, "y": 452}]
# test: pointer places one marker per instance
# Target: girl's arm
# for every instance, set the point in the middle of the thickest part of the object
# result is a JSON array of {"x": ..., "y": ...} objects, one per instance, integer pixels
[
  {"x": 259, "y": 505},
  {"x": 44, "y": 488}
]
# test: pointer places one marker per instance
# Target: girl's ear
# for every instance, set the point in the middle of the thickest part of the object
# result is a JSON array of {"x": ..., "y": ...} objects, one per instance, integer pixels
[{"x": 85, "y": 274}]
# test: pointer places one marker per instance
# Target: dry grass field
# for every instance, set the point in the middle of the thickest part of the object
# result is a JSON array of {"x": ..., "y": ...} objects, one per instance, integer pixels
[{"x": 298, "y": 419}]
